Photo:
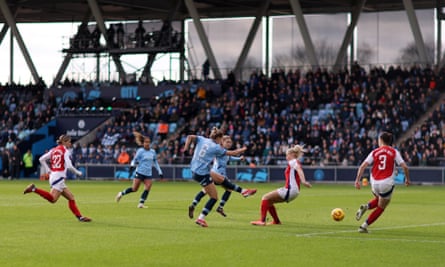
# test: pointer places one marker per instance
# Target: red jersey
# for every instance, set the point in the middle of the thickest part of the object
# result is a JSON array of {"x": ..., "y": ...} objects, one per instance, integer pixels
[
  {"x": 57, "y": 159},
  {"x": 291, "y": 174},
  {"x": 384, "y": 159}
]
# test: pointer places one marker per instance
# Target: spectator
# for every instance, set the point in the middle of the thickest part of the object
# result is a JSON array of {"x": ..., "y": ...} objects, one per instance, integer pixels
[
  {"x": 16, "y": 163},
  {"x": 110, "y": 36},
  {"x": 139, "y": 33},
  {"x": 124, "y": 157},
  {"x": 28, "y": 163},
  {"x": 120, "y": 35},
  {"x": 6, "y": 163}
]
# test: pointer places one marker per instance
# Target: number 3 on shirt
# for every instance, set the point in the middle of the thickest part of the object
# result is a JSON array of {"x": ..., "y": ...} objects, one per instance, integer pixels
[{"x": 382, "y": 162}]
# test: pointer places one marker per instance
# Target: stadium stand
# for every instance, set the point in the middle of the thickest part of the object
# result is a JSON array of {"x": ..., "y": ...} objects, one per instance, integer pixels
[{"x": 337, "y": 115}]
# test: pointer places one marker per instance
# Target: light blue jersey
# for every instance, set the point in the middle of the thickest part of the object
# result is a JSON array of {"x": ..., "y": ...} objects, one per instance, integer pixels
[
  {"x": 205, "y": 151},
  {"x": 146, "y": 160},
  {"x": 220, "y": 164}
]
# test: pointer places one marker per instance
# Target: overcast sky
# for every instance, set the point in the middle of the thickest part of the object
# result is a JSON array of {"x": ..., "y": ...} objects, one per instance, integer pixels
[{"x": 386, "y": 33}]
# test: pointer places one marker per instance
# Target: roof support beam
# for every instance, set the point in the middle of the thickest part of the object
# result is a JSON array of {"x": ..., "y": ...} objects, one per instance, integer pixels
[
  {"x": 3, "y": 32},
  {"x": 349, "y": 33},
  {"x": 203, "y": 37},
  {"x": 62, "y": 68},
  {"x": 309, "y": 46},
  {"x": 415, "y": 28},
  {"x": 250, "y": 37},
  {"x": 11, "y": 22},
  {"x": 100, "y": 23}
]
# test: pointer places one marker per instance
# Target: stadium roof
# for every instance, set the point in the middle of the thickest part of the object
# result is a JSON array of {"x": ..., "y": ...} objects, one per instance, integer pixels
[
  {"x": 101, "y": 11},
  {"x": 121, "y": 10}
]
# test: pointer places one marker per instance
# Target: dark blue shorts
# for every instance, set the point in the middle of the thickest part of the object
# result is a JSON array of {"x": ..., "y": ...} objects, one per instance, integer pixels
[
  {"x": 203, "y": 180},
  {"x": 141, "y": 176}
]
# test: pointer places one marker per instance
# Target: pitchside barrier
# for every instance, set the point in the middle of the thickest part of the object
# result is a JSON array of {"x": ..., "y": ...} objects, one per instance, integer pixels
[{"x": 331, "y": 174}]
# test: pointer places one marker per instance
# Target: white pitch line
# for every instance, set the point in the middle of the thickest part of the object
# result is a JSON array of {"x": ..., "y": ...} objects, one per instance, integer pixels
[
  {"x": 386, "y": 239},
  {"x": 373, "y": 229}
]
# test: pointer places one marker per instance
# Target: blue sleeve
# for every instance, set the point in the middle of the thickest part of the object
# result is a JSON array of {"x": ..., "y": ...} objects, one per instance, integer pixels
[
  {"x": 232, "y": 158},
  {"x": 136, "y": 158},
  {"x": 156, "y": 164}
]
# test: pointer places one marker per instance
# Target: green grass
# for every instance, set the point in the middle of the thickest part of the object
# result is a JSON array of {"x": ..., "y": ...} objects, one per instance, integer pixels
[{"x": 35, "y": 233}]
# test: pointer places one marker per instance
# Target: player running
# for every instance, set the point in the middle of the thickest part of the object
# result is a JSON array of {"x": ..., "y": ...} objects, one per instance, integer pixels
[
  {"x": 59, "y": 159},
  {"x": 383, "y": 161}
]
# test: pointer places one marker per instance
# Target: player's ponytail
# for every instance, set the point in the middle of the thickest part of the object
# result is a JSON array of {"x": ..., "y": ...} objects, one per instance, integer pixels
[
  {"x": 63, "y": 139},
  {"x": 139, "y": 138}
]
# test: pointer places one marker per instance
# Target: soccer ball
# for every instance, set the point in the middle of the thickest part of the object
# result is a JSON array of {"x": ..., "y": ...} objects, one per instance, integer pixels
[{"x": 337, "y": 214}]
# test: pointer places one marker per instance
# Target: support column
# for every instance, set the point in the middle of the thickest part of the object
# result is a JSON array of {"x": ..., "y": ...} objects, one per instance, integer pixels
[
  {"x": 11, "y": 22},
  {"x": 415, "y": 28},
  {"x": 182, "y": 53},
  {"x": 11, "y": 58},
  {"x": 203, "y": 37},
  {"x": 348, "y": 35},
  {"x": 309, "y": 46},
  {"x": 3, "y": 32},
  {"x": 439, "y": 17},
  {"x": 267, "y": 48},
  {"x": 62, "y": 68},
  {"x": 250, "y": 37}
]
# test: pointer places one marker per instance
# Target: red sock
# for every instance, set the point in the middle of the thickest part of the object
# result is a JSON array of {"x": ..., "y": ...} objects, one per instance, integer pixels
[
  {"x": 374, "y": 215},
  {"x": 46, "y": 195},
  {"x": 73, "y": 208},
  {"x": 372, "y": 204},
  {"x": 264, "y": 208},
  {"x": 273, "y": 213}
]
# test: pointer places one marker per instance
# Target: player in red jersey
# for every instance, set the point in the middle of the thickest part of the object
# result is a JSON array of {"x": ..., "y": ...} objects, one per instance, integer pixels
[
  {"x": 294, "y": 176},
  {"x": 383, "y": 160},
  {"x": 59, "y": 162}
]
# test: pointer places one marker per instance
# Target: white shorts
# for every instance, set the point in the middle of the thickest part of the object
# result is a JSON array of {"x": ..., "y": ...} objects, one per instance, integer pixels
[
  {"x": 288, "y": 195},
  {"x": 57, "y": 182},
  {"x": 383, "y": 188}
]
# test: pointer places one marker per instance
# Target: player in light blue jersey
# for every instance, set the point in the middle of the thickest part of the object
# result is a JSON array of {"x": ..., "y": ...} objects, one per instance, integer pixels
[
  {"x": 145, "y": 159},
  {"x": 206, "y": 149},
  {"x": 219, "y": 176}
]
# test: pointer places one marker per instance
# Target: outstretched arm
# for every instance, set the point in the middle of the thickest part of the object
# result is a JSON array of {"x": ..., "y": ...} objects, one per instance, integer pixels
[
  {"x": 360, "y": 172},
  {"x": 236, "y": 152},
  {"x": 300, "y": 172},
  {"x": 190, "y": 138},
  {"x": 406, "y": 171},
  {"x": 69, "y": 165}
]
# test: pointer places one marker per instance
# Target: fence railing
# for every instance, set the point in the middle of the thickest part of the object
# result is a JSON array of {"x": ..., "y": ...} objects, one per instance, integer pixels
[{"x": 334, "y": 174}]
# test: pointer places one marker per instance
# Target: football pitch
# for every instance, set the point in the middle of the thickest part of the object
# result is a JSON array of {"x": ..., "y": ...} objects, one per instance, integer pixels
[{"x": 34, "y": 232}]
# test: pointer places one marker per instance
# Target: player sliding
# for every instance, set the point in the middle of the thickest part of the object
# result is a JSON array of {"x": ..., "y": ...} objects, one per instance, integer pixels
[
  {"x": 294, "y": 176},
  {"x": 383, "y": 161},
  {"x": 219, "y": 177},
  {"x": 59, "y": 162}
]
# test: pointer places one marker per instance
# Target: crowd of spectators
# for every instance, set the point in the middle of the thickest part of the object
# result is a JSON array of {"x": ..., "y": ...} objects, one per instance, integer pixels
[
  {"x": 336, "y": 115},
  {"x": 118, "y": 37},
  {"x": 23, "y": 109}
]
